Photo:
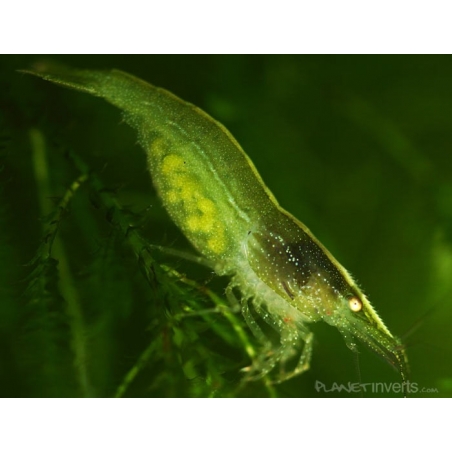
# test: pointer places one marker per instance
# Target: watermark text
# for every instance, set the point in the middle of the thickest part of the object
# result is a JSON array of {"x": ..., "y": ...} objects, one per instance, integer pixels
[{"x": 407, "y": 387}]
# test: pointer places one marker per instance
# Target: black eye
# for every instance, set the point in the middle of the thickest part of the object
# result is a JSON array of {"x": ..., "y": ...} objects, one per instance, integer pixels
[{"x": 355, "y": 304}]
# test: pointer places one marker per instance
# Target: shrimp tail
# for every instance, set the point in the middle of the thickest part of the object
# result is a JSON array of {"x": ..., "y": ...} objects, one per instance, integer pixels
[
  {"x": 80, "y": 80},
  {"x": 118, "y": 88}
]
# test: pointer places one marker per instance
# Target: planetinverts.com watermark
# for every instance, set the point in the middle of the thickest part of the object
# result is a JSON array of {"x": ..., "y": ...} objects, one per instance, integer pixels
[{"x": 406, "y": 387}]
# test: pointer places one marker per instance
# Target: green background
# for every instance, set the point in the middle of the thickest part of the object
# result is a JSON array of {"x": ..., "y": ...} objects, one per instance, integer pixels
[{"x": 356, "y": 147}]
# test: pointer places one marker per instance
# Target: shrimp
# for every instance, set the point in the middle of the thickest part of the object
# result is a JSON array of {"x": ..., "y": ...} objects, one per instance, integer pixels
[{"x": 211, "y": 189}]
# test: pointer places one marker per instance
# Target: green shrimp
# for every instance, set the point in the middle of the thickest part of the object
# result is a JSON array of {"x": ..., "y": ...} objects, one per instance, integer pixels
[{"x": 215, "y": 195}]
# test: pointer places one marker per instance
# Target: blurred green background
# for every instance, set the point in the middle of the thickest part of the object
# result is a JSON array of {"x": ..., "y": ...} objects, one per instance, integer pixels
[{"x": 356, "y": 147}]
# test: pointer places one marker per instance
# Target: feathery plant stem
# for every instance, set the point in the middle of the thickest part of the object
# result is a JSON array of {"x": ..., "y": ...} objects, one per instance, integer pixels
[
  {"x": 141, "y": 249},
  {"x": 55, "y": 248}
]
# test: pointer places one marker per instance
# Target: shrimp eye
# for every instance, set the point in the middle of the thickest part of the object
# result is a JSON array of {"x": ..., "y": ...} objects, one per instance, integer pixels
[{"x": 355, "y": 304}]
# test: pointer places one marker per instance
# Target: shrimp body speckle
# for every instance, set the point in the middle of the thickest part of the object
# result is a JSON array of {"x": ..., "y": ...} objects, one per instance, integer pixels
[{"x": 213, "y": 192}]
